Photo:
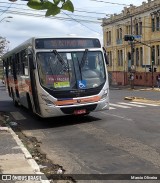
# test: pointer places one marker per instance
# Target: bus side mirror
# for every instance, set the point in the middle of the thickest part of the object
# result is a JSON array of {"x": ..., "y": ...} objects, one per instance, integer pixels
[{"x": 105, "y": 56}]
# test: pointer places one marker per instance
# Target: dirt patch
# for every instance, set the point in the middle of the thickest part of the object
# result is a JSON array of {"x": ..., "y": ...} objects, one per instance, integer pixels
[
  {"x": 54, "y": 172},
  {"x": 3, "y": 119},
  {"x": 46, "y": 166}
]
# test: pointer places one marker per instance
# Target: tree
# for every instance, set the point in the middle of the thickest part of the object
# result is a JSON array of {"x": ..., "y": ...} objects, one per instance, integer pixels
[
  {"x": 52, "y": 8},
  {"x": 3, "y": 45}
]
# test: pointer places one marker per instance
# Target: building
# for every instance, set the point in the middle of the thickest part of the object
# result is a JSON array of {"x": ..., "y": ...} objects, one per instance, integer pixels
[{"x": 134, "y": 58}]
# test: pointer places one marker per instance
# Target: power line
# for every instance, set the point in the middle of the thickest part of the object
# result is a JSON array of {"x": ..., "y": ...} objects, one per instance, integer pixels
[
  {"x": 25, "y": 9},
  {"x": 42, "y": 16},
  {"x": 90, "y": 12},
  {"x": 81, "y": 23},
  {"x": 59, "y": 18},
  {"x": 110, "y": 3},
  {"x": 6, "y": 9},
  {"x": 79, "y": 10}
]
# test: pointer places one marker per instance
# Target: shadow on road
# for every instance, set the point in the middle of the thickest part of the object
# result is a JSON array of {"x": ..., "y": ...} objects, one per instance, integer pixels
[{"x": 32, "y": 122}]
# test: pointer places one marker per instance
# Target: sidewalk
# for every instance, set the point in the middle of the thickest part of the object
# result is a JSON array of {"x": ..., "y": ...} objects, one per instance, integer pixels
[
  {"x": 15, "y": 158},
  {"x": 128, "y": 87}
]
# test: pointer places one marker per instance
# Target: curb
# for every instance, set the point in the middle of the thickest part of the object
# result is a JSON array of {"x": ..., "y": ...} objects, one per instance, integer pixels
[
  {"x": 134, "y": 98},
  {"x": 27, "y": 155},
  {"x": 141, "y": 99}
]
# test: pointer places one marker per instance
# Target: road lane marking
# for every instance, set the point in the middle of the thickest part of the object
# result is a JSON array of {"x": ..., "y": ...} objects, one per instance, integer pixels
[
  {"x": 17, "y": 116},
  {"x": 121, "y": 117},
  {"x": 117, "y": 105},
  {"x": 111, "y": 108},
  {"x": 145, "y": 104},
  {"x": 134, "y": 105},
  {"x": 132, "y": 146}
]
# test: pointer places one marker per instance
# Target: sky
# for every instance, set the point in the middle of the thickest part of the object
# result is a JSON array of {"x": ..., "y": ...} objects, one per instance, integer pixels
[{"x": 85, "y": 21}]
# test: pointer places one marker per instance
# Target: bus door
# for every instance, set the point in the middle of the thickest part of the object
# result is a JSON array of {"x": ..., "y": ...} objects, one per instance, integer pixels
[
  {"x": 6, "y": 65},
  {"x": 15, "y": 85},
  {"x": 24, "y": 78}
]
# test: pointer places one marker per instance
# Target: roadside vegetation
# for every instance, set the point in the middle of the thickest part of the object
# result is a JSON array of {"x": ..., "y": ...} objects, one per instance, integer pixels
[{"x": 1, "y": 69}]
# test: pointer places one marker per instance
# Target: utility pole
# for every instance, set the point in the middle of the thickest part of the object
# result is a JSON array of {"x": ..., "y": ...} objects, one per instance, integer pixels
[
  {"x": 132, "y": 56},
  {"x": 152, "y": 62}
]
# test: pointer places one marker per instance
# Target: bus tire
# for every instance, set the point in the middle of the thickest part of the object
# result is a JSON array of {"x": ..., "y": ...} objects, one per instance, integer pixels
[
  {"x": 13, "y": 98},
  {"x": 30, "y": 108}
]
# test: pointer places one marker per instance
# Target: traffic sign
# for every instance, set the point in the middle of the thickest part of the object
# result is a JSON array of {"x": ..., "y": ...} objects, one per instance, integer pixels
[{"x": 137, "y": 36}]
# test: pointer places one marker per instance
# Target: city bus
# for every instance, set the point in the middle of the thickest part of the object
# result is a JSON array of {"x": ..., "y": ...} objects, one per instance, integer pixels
[{"x": 58, "y": 76}]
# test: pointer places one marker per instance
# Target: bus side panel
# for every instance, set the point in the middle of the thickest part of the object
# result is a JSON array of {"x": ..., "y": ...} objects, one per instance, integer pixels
[
  {"x": 7, "y": 76},
  {"x": 34, "y": 85}
]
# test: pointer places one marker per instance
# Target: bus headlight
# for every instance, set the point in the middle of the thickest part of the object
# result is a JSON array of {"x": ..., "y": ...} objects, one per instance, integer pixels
[{"x": 105, "y": 94}]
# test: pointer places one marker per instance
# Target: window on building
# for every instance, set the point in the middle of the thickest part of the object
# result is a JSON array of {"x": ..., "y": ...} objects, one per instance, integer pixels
[
  {"x": 108, "y": 36},
  {"x": 136, "y": 29},
  {"x": 141, "y": 56},
  {"x": 109, "y": 58},
  {"x": 118, "y": 61},
  {"x": 117, "y": 33},
  {"x": 158, "y": 55},
  {"x": 153, "y": 25},
  {"x": 157, "y": 23},
  {"x": 120, "y": 57},
  {"x": 140, "y": 28},
  {"x": 137, "y": 56},
  {"x": 128, "y": 29},
  {"x": 153, "y": 54},
  {"x": 120, "y": 33},
  {"x": 119, "y": 36}
]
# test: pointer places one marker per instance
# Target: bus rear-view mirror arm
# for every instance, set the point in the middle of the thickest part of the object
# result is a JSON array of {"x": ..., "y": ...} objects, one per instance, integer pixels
[{"x": 105, "y": 56}]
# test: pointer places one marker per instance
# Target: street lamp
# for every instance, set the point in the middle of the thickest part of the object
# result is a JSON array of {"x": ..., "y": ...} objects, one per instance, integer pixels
[{"x": 5, "y": 18}]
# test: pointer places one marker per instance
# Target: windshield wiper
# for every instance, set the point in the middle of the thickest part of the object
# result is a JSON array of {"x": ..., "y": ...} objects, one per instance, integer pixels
[
  {"x": 60, "y": 59},
  {"x": 84, "y": 58}
]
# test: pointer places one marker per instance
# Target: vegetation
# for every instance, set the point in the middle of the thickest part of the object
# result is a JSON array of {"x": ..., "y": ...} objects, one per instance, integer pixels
[
  {"x": 1, "y": 69},
  {"x": 52, "y": 8},
  {"x": 3, "y": 49}
]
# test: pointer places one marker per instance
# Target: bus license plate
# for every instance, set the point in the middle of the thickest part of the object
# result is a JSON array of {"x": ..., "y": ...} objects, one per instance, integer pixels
[{"x": 81, "y": 111}]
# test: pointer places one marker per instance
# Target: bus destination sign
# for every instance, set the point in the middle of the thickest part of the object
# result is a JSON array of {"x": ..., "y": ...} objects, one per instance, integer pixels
[{"x": 67, "y": 43}]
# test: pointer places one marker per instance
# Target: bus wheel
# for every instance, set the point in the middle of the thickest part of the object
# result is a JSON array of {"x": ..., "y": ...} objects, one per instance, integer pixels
[
  {"x": 29, "y": 104},
  {"x": 14, "y": 100}
]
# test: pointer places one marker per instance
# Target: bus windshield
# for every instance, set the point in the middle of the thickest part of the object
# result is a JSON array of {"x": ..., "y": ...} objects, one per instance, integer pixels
[{"x": 71, "y": 70}]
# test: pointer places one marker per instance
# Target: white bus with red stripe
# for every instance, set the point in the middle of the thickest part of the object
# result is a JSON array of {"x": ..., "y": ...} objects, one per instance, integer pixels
[{"x": 58, "y": 76}]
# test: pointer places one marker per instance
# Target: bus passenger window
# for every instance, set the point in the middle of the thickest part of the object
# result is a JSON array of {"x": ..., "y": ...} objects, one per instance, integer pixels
[{"x": 24, "y": 62}]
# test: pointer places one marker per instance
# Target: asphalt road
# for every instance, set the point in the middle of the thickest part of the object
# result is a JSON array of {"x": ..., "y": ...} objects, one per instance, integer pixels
[{"x": 118, "y": 141}]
